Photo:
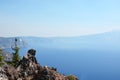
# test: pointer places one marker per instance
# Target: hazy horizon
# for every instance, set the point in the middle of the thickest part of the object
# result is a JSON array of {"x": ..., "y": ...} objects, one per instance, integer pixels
[{"x": 58, "y": 18}]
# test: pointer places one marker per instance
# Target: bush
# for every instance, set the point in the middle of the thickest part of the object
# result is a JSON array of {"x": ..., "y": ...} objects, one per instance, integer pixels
[{"x": 72, "y": 77}]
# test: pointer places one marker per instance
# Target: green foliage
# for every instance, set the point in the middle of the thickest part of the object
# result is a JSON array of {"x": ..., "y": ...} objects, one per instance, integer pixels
[
  {"x": 1, "y": 58},
  {"x": 16, "y": 57},
  {"x": 72, "y": 77}
]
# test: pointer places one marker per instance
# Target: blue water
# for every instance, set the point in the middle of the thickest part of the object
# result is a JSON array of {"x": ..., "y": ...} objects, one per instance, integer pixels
[{"x": 85, "y": 64}]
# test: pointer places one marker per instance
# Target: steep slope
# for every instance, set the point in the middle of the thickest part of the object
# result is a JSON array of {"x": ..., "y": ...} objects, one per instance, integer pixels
[{"x": 29, "y": 69}]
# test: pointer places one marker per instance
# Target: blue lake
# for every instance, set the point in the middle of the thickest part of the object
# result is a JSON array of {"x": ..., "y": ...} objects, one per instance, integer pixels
[{"x": 85, "y": 64}]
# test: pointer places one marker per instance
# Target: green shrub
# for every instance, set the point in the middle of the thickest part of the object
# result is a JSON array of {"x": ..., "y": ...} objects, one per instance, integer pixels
[{"x": 72, "y": 77}]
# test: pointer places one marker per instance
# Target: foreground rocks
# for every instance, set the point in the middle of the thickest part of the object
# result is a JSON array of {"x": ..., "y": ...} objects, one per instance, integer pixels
[{"x": 29, "y": 69}]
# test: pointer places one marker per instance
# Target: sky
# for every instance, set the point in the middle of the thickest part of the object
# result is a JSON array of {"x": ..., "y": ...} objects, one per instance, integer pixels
[{"x": 50, "y": 18}]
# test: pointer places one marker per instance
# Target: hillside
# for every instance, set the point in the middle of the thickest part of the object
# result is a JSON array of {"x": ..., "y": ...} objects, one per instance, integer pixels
[
  {"x": 8, "y": 42},
  {"x": 108, "y": 40},
  {"x": 29, "y": 69}
]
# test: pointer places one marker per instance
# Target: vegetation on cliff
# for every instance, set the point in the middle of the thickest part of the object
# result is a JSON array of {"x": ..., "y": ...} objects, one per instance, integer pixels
[
  {"x": 28, "y": 68},
  {"x": 1, "y": 58},
  {"x": 16, "y": 57}
]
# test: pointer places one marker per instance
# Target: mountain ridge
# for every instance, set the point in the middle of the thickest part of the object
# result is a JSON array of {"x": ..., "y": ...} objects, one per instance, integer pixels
[{"x": 107, "y": 39}]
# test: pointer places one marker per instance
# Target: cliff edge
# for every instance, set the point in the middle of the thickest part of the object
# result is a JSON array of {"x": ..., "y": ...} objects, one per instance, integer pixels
[{"x": 29, "y": 69}]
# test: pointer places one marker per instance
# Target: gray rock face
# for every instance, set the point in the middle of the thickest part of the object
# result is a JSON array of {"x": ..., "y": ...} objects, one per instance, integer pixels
[
  {"x": 3, "y": 75},
  {"x": 10, "y": 72}
]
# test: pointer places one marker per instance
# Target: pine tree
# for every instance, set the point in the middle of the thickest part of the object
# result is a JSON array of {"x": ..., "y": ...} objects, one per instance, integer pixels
[
  {"x": 16, "y": 57},
  {"x": 1, "y": 58}
]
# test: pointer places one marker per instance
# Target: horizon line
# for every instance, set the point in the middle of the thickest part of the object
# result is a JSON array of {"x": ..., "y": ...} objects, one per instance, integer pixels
[{"x": 53, "y": 36}]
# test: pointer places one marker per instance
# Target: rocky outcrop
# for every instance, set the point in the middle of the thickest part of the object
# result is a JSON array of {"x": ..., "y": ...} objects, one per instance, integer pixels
[
  {"x": 3, "y": 75},
  {"x": 29, "y": 69}
]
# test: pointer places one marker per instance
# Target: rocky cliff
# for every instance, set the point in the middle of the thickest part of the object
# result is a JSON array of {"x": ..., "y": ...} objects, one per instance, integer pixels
[{"x": 29, "y": 69}]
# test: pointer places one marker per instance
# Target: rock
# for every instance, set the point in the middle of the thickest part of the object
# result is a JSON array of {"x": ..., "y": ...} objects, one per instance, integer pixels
[
  {"x": 29, "y": 69},
  {"x": 3, "y": 76},
  {"x": 10, "y": 72}
]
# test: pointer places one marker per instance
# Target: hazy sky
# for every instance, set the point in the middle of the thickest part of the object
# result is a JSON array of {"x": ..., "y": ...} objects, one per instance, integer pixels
[{"x": 58, "y": 17}]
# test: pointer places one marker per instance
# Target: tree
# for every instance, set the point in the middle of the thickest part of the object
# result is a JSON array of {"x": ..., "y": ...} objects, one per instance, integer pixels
[
  {"x": 16, "y": 57},
  {"x": 1, "y": 58}
]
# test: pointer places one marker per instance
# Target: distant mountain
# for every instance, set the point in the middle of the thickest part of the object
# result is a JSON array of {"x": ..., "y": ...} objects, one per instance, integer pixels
[
  {"x": 9, "y": 42},
  {"x": 108, "y": 40}
]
